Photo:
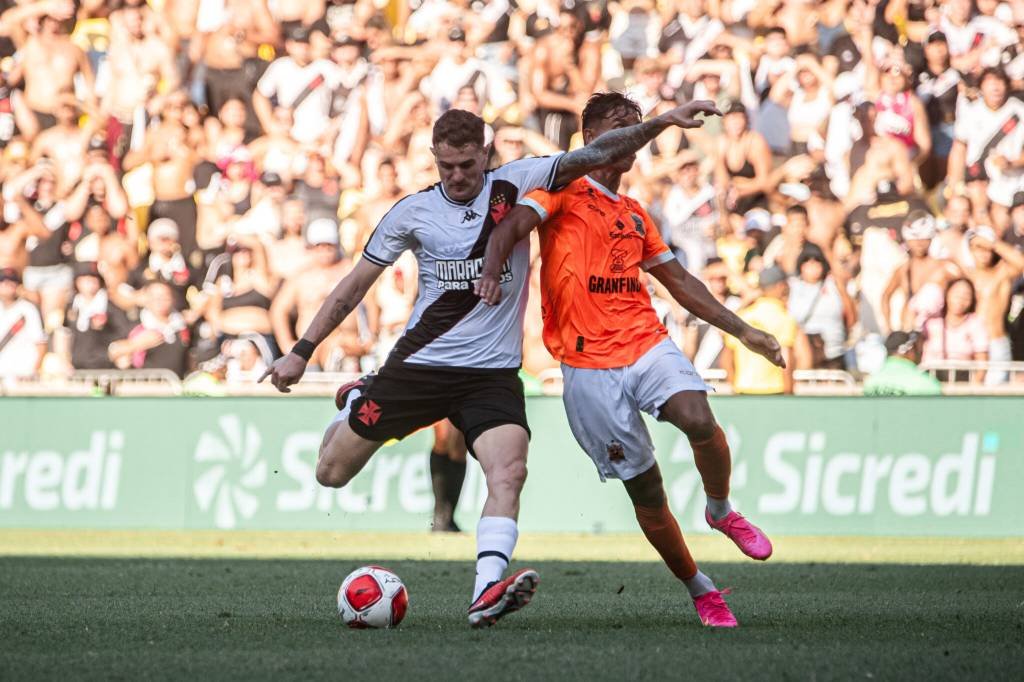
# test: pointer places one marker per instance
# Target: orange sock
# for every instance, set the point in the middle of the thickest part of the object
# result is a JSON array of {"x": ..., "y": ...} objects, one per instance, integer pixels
[
  {"x": 663, "y": 533},
  {"x": 714, "y": 462}
]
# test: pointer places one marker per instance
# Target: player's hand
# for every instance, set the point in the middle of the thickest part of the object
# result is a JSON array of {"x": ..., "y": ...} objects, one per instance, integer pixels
[
  {"x": 764, "y": 344},
  {"x": 285, "y": 371},
  {"x": 685, "y": 116},
  {"x": 488, "y": 288}
]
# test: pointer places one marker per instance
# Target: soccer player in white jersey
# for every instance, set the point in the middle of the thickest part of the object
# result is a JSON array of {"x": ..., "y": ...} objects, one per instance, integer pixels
[{"x": 458, "y": 357}]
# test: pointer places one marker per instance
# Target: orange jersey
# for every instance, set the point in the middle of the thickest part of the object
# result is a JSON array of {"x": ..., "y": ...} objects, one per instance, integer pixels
[{"x": 597, "y": 312}]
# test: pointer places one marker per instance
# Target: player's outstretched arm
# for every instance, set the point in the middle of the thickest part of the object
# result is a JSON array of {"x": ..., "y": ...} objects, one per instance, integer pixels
[
  {"x": 691, "y": 293},
  {"x": 621, "y": 142},
  {"x": 512, "y": 228},
  {"x": 342, "y": 300}
]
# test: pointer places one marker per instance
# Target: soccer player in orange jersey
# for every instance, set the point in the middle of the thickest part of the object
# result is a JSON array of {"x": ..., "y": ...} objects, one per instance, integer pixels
[{"x": 617, "y": 359}]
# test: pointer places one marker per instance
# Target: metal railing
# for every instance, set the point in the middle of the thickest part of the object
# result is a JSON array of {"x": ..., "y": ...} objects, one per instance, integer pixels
[
  {"x": 128, "y": 382},
  {"x": 158, "y": 382},
  {"x": 966, "y": 371}
]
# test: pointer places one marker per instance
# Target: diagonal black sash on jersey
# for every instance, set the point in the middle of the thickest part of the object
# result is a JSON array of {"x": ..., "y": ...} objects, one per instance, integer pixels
[
  {"x": 18, "y": 325},
  {"x": 452, "y": 306},
  {"x": 976, "y": 170},
  {"x": 311, "y": 87}
]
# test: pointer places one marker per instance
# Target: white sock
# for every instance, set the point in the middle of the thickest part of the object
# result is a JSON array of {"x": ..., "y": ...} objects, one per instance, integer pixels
[
  {"x": 719, "y": 509},
  {"x": 495, "y": 539},
  {"x": 699, "y": 584}
]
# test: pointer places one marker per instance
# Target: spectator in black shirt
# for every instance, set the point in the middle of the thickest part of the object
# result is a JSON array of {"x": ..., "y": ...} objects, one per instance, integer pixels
[
  {"x": 1014, "y": 236},
  {"x": 48, "y": 275},
  {"x": 164, "y": 263},
  {"x": 318, "y": 188},
  {"x": 92, "y": 322},
  {"x": 160, "y": 340},
  {"x": 937, "y": 85}
]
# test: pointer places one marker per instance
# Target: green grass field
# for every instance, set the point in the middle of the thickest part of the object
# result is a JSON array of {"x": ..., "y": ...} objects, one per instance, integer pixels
[{"x": 225, "y": 618}]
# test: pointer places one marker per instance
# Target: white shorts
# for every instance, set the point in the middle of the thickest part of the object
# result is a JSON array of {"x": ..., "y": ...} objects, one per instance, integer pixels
[
  {"x": 42, "y": 277},
  {"x": 604, "y": 406}
]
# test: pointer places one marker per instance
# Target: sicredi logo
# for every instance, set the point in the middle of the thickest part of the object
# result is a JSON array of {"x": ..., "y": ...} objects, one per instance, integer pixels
[
  {"x": 848, "y": 483},
  {"x": 232, "y": 471},
  {"x": 232, "y": 478},
  {"x": 390, "y": 481},
  {"x": 79, "y": 480}
]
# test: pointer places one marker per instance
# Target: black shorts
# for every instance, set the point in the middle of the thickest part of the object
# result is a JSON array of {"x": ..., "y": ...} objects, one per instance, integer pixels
[{"x": 403, "y": 399}]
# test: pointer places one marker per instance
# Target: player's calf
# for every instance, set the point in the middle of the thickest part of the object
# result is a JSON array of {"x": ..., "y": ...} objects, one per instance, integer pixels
[{"x": 501, "y": 452}]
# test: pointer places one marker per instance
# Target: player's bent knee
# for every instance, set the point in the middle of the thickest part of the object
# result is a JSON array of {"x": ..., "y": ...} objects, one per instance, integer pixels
[
  {"x": 647, "y": 489},
  {"x": 691, "y": 413},
  {"x": 343, "y": 454},
  {"x": 509, "y": 478},
  {"x": 701, "y": 426},
  {"x": 331, "y": 476}
]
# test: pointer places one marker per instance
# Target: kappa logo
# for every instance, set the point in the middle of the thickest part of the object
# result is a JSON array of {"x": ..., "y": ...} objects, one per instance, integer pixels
[
  {"x": 235, "y": 471},
  {"x": 369, "y": 413},
  {"x": 470, "y": 215}
]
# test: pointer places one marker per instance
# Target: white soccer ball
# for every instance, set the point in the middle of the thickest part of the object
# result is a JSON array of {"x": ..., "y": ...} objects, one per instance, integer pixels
[{"x": 372, "y": 597}]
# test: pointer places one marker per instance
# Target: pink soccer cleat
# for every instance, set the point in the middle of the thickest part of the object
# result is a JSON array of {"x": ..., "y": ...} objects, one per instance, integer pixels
[
  {"x": 748, "y": 537},
  {"x": 503, "y": 597},
  {"x": 713, "y": 610}
]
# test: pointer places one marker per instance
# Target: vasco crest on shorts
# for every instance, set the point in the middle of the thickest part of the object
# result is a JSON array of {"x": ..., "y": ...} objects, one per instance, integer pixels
[{"x": 616, "y": 451}]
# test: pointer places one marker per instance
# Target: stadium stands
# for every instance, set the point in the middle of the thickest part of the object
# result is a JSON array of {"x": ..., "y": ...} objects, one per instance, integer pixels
[{"x": 180, "y": 193}]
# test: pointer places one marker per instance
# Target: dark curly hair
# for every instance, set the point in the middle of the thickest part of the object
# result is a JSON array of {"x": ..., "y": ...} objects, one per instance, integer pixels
[{"x": 601, "y": 105}]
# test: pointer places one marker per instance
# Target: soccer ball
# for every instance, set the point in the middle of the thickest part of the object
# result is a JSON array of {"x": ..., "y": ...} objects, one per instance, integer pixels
[{"x": 372, "y": 597}]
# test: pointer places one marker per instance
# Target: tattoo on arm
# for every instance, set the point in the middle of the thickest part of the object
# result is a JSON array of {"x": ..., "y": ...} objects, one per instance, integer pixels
[
  {"x": 327, "y": 320},
  {"x": 342, "y": 300},
  {"x": 607, "y": 149}
]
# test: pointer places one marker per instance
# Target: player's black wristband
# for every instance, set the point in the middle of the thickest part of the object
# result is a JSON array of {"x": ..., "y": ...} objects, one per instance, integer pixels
[{"x": 304, "y": 349}]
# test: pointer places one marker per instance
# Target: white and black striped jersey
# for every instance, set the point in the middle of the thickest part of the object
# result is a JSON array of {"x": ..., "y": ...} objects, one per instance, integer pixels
[{"x": 450, "y": 326}]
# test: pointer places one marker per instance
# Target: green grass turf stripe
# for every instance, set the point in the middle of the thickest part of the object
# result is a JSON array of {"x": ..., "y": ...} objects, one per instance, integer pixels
[
  {"x": 532, "y": 546},
  {"x": 216, "y": 619}
]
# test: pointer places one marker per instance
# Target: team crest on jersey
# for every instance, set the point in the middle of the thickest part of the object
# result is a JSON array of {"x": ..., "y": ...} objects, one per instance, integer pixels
[
  {"x": 499, "y": 207},
  {"x": 618, "y": 260}
]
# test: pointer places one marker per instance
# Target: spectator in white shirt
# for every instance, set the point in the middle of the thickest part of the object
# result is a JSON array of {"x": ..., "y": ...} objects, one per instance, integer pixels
[
  {"x": 22, "y": 340},
  {"x": 988, "y": 147},
  {"x": 691, "y": 213},
  {"x": 300, "y": 83}
]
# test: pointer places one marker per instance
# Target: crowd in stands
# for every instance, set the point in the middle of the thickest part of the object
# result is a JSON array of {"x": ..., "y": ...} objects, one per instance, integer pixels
[{"x": 183, "y": 181}]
